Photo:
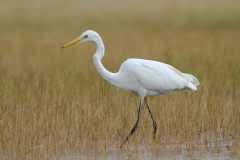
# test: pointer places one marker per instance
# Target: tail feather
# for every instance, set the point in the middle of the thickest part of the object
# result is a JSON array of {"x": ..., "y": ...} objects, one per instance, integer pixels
[{"x": 193, "y": 81}]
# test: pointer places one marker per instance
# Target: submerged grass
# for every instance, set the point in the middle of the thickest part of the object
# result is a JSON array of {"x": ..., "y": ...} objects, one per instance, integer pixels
[{"x": 52, "y": 101}]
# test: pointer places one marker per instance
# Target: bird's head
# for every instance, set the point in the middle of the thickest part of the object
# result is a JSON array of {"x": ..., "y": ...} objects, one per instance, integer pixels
[{"x": 87, "y": 36}]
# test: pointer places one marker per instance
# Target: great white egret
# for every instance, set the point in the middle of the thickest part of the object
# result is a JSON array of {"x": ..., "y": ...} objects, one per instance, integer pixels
[{"x": 143, "y": 77}]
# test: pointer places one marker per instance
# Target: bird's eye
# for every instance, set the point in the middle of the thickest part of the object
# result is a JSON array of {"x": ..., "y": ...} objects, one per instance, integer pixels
[{"x": 86, "y": 36}]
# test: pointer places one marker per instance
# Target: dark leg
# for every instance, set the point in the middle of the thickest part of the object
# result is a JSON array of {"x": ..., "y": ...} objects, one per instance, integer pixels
[
  {"x": 136, "y": 123},
  {"x": 153, "y": 121}
]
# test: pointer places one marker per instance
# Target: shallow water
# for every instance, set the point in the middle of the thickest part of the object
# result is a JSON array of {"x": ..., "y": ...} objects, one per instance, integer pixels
[
  {"x": 167, "y": 152},
  {"x": 163, "y": 155}
]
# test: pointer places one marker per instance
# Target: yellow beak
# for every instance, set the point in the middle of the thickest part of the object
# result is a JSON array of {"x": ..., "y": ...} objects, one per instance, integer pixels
[{"x": 71, "y": 43}]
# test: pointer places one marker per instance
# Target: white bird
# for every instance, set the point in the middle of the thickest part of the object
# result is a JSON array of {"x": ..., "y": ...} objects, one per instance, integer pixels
[{"x": 143, "y": 77}]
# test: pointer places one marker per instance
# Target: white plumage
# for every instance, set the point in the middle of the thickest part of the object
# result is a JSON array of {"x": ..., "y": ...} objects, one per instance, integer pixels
[
  {"x": 147, "y": 77},
  {"x": 143, "y": 77}
]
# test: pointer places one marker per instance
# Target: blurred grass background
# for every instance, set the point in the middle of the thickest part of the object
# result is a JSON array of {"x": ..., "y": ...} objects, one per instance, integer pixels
[{"x": 53, "y": 102}]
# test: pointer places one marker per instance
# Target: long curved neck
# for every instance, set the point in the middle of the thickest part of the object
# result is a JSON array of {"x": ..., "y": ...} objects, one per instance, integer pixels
[{"x": 97, "y": 60}]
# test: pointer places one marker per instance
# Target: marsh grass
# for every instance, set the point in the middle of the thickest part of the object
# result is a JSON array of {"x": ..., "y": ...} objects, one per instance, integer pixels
[{"x": 52, "y": 101}]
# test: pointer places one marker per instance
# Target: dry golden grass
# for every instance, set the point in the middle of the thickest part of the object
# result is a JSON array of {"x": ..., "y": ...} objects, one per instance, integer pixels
[{"x": 53, "y": 102}]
